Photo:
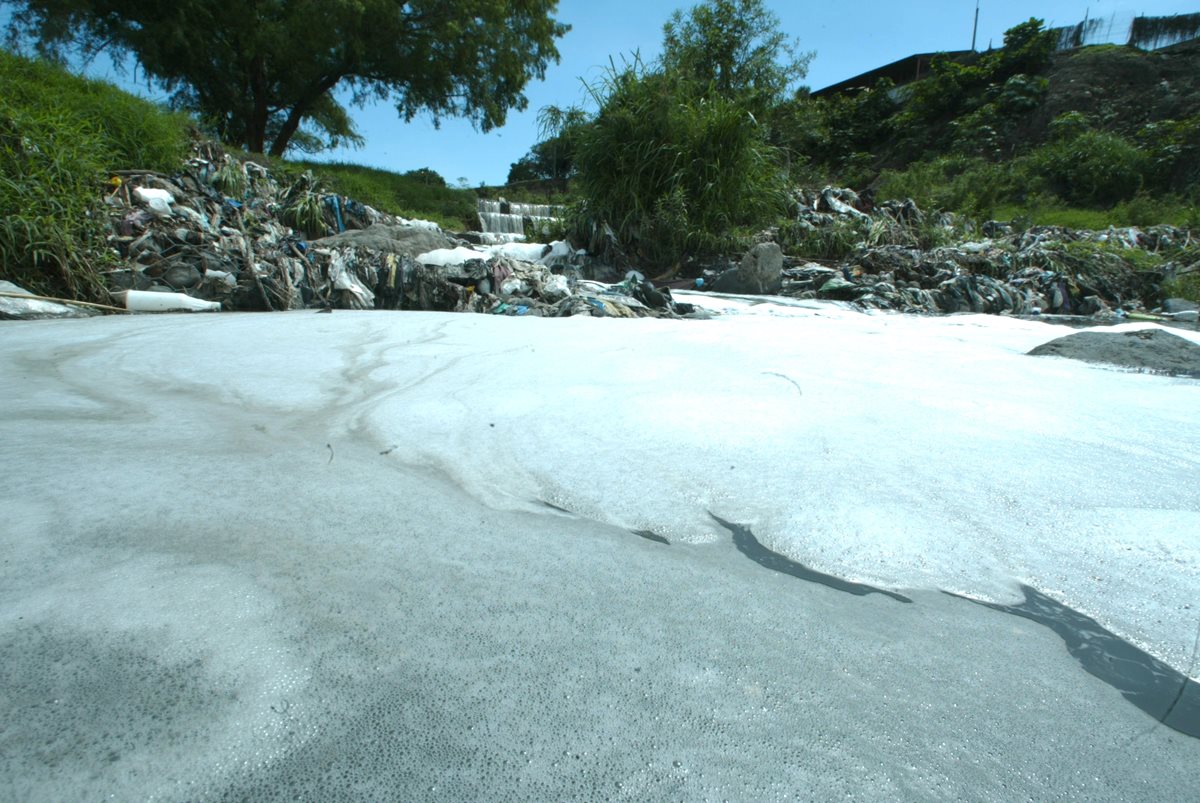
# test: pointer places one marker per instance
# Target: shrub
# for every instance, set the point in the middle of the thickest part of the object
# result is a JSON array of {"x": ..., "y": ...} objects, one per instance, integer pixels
[
  {"x": 836, "y": 241},
  {"x": 967, "y": 184},
  {"x": 1185, "y": 285},
  {"x": 1173, "y": 150},
  {"x": 1092, "y": 168},
  {"x": 426, "y": 175},
  {"x": 674, "y": 170}
]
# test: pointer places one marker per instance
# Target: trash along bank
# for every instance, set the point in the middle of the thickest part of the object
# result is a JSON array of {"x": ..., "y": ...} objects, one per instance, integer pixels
[{"x": 228, "y": 234}]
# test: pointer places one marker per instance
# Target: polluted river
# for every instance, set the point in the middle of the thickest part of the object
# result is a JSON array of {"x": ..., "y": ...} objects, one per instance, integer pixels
[{"x": 792, "y": 551}]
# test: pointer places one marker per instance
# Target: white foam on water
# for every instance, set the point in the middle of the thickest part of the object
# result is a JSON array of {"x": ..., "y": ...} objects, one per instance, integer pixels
[{"x": 313, "y": 552}]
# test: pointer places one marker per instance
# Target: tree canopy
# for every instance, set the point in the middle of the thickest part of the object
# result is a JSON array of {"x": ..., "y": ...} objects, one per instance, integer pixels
[
  {"x": 735, "y": 46},
  {"x": 264, "y": 72}
]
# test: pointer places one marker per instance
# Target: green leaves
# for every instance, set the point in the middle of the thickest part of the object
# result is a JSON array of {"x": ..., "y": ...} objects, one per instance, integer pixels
[
  {"x": 734, "y": 48},
  {"x": 265, "y": 71}
]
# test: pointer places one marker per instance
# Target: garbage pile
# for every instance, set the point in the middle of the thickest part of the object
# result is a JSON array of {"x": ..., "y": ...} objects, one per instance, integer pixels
[
  {"x": 529, "y": 279},
  {"x": 226, "y": 233},
  {"x": 899, "y": 265},
  {"x": 229, "y": 232}
]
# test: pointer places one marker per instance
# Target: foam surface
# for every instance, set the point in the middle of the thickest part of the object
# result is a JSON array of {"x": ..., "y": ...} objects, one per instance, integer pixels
[{"x": 394, "y": 555}]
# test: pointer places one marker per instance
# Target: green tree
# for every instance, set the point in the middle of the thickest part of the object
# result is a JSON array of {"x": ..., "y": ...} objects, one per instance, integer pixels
[
  {"x": 678, "y": 158},
  {"x": 551, "y": 160},
  {"x": 737, "y": 48},
  {"x": 259, "y": 70}
]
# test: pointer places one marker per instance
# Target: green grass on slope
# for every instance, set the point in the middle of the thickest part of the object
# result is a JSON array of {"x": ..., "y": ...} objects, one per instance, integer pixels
[
  {"x": 59, "y": 134},
  {"x": 1140, "y": 211},
  {"x": 403, "y": 195}
]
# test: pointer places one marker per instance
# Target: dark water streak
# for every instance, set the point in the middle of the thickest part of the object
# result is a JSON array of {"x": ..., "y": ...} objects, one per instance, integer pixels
[
  {"x": 1169, "y": 696},
  {"x": 650, "y": 535},
  {"x": 752, "y": 548}
]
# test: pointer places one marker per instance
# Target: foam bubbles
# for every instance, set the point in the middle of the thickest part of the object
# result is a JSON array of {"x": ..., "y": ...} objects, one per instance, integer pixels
[{"x": 324, "y": 567}]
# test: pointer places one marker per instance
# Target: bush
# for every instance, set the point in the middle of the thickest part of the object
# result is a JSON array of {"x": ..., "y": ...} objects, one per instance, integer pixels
[
  {"x": 970, "y": 185},
  {"x": 1173, "y": 150},
  {"x": 1092, "y": 168},
  {"x": 1186, "y": 285},
  {"x": 674, "y": 171},
  {"x": 426, "y": 175},
  {"x": 836, "y": 241}
]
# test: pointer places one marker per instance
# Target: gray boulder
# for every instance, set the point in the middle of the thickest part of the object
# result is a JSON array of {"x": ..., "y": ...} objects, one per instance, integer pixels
[
  {"x": 1153, "y": 350},
  {"x": 1173, "y": 305},
  {"x": 182, "y": 276},
  {"x": 760, "y": 273},
  {"x": 762, "y": 267}
]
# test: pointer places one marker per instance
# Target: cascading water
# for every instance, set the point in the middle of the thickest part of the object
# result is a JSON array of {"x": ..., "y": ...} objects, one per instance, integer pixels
[{"x": 501, "y": 221}]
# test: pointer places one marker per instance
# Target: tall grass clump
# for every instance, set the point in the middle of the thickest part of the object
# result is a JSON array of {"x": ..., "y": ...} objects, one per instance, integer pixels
[
  {"x": 673, "y": 169},
  {"x": 967, "y": 184},
  {"x": 50, "y": 180},
  {"x": 134, "y": 133},
  {"x": 59, "y": 134}
]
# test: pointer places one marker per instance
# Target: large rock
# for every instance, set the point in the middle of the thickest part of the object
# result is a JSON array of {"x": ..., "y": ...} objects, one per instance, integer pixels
[
  {"x": 1174, "y": 305},
  {"x": 760, "y": 273},
  {"x": 762, "y": 267},
  {"x": 1155, "y": 350},
  {"x": 390, "y": 239}
]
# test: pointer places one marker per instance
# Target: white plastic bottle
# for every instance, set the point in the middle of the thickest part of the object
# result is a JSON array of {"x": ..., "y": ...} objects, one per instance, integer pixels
[{"x": 146, "y": 301}]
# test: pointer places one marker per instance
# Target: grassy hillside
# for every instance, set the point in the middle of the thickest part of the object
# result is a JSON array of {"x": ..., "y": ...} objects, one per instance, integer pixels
[
  {"x": 416, "y": 194},
  {"x": 1097, "y": 136},
  {"x": 58, "y": 136}
]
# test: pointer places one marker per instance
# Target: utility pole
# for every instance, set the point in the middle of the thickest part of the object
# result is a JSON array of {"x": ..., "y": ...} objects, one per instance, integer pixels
[{"x": 975, "y": 30}]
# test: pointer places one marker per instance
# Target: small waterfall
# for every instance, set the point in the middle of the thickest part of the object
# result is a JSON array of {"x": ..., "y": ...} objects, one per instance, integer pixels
[{"x": 506, "y": 222}]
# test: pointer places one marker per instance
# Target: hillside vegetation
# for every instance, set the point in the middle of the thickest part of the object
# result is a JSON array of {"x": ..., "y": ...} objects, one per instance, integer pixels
[
  {"x": 713, "y": 135},
  {"x": 59, "y": 137}
]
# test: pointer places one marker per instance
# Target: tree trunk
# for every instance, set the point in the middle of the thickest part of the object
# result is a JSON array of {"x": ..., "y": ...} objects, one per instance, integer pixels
[
  {"x": 297, "y": 114},
  {"x": 256, "y": 130}
]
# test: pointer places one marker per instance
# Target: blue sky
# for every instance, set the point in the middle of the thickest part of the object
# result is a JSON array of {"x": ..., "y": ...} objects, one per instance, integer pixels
[{"x": 848, "y": 37}]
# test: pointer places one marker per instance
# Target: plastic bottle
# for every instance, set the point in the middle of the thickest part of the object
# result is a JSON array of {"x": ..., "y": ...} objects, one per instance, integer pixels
[{"x": 146, "y": 301}]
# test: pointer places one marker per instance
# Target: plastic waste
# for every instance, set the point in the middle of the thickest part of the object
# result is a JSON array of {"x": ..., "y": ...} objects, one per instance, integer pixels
[
  {"x": 146, "y": 301},
  {"x": 225, "y": 277},
  {"x": 156, "y": 200},
  {"x": 556, "y": 287},
  {"x": 513, "y": 286},
  {"x": 335, "y": 204}
]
